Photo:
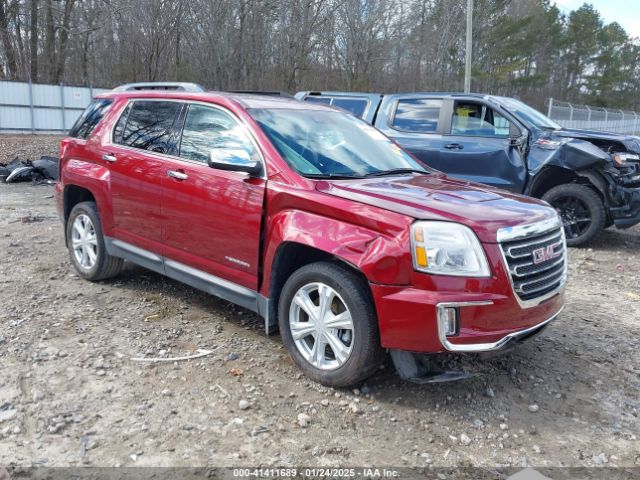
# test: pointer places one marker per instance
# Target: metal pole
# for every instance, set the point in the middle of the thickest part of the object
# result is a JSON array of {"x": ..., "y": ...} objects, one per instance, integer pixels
[
  {"x": 62, "y": 106},
  {"x": 33, "y": 121},
  {"x": 571, "y": 114},
  {"x": 468, "y": 52},
  {"x": 550, "y": 107}
]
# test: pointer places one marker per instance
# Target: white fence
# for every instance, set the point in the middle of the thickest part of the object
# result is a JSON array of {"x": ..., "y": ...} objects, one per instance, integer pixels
[
  {"x": 594, "y": 118},
  {"x": 35, "y": 108}
]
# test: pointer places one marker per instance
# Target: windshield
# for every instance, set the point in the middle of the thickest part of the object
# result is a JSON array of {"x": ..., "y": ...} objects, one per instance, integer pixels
[
  {"x": 319, "y": 143},
  {"x": 528, "y": 114}
]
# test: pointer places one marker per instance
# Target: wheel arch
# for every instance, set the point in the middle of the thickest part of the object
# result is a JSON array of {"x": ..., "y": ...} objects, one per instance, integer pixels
[
  {"x": 74, "y": 194},
  {"x": 552, "y": 176},
  {"x": 291, "y": 256}
]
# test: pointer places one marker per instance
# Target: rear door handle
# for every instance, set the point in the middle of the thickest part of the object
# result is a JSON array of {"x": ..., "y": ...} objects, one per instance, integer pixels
[
  {"x": 108, "y": 157},
  {"x": 453, "y": 146},
  {"x": 178, "y": 175}
]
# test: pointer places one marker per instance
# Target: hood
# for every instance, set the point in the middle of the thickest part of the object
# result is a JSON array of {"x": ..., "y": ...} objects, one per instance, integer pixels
[
  {"x": 631, "y": 142},
  {"x": 438, "y": 197}
]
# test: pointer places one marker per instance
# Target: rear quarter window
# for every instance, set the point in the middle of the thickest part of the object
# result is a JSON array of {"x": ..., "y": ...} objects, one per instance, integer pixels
[
  {"x": 90, "y": 118},
  {"x": 417, "y": 115}
]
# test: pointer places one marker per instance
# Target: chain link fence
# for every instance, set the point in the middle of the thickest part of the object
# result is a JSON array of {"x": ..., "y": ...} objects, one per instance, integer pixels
[{"x": 570, "y": 115}]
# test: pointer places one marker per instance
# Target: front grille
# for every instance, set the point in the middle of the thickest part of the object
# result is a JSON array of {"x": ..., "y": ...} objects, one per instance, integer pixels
[{"x": 537, "y": 263}]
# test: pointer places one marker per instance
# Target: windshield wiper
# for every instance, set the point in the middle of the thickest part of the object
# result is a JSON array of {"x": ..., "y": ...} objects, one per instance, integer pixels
[
  {"x": 329, "y": 176},
  {"x": 396, "y": 171}
]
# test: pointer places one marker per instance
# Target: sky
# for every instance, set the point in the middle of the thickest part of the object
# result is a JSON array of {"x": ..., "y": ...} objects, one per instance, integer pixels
[{"x": 625, "y": 12}]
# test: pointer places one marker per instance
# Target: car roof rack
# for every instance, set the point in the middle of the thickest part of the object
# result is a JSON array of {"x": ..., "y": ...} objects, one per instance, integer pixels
[
  {"x": 175, "y": 86},
  {"x": 263, "y": 92}
]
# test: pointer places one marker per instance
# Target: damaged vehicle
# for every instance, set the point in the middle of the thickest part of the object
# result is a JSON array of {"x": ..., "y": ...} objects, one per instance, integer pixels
[
  {"x": 312, "y": 218},
  {"x": 591, "y": 178}
]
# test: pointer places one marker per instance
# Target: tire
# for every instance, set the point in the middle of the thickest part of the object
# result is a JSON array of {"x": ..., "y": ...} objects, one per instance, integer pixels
[
  {"x": 581, "y": 209},
  {"x": 95, "y": 266},
  {"x": 351, "y": 296}
]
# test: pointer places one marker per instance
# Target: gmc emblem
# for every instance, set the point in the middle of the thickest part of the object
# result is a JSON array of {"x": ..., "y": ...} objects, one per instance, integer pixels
[{"x": 544, "y": 254}]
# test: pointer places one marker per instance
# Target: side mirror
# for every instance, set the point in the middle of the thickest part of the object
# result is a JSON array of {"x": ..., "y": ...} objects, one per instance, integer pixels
[{"x": 234, "y": 159}]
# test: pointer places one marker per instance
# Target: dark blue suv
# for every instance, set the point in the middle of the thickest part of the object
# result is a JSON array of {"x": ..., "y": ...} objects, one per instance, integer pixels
[{"x": 591, "y": 178}]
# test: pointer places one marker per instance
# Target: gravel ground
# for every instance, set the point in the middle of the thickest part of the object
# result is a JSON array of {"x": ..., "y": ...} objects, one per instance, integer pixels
[
  {"x": 70, "y": 393},
  {"x": 28, "y": 147}
]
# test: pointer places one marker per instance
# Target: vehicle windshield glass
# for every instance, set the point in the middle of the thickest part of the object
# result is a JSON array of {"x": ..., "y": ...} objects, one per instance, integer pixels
[
  {"x": 528, "y": 114},
  {"x": 319, "y": 143}
]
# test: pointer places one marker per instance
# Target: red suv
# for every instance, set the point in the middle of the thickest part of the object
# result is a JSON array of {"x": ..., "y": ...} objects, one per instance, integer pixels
[{"x": 313, "y": 219}]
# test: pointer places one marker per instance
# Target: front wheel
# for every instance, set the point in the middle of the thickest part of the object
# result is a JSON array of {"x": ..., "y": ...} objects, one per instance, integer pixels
[
  {"x": 581, "y": 209},
  {"x": 329, "y": 326}
]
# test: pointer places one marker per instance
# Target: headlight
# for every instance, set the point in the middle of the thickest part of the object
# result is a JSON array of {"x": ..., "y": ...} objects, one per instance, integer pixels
[
  {"x": 622, "y": 158},
  {"x": 446, "y": 248}
]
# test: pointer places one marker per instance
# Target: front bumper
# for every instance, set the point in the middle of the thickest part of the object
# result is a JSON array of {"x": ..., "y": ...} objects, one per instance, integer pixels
[
  {"x": 628, "y": 214},
  {"x": 410, "y": 319},
  {"x": 504, "y": 342},
  {"x": 490, "y": 315}
]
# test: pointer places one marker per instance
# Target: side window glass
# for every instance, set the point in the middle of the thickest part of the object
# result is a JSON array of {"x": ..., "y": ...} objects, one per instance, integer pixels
[
  {"x": 475, "y": 119},
  {"x": 90, "y": 118},
  {"x": 354, "y": 105},
  {"x": 322, "y": 100},
  {"x": 149, "y": 126},
  {"x": 417, "y": 115},
  {"x": 206, "y": 129}
]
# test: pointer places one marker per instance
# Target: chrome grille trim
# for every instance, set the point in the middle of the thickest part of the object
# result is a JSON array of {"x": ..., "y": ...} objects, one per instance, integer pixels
[
  {"x": 534, "y": 283},
  {"x": 539, "y": 241},
  {"x": 544, "y": 268}
]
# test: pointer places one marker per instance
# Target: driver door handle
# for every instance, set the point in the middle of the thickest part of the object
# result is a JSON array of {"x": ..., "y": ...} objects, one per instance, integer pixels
[
  {"x": 453, "y": 146},
  {"x": 178, "y": 175},
  {"x": 108, "y": 157}
]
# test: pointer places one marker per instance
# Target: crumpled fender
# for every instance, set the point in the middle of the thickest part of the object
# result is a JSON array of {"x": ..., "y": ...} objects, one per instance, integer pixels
[
  {"x": 572, "y": 154},
  {"x": 383, "y": 258}
]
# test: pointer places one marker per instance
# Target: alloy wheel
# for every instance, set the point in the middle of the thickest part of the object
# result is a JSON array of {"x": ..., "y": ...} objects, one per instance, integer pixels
[
  {"x": 575, "y": 214},
  {"x": 321, "y": 326},
  {"x": 84, "y": 242}
]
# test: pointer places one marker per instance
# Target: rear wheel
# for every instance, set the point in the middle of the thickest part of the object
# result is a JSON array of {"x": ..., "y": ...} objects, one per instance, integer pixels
[
  {"x": 86, "y": 244},
  {"x": 329, "y": 326},
  {"x": 581, "y": 209}
]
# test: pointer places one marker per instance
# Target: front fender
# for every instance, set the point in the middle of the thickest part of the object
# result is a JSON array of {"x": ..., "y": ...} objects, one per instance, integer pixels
[{"x": 381, "y": 257}]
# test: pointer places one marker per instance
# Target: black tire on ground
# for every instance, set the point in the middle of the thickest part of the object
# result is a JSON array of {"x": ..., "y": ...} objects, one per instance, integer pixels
[
  {"x": 366, "y": 354},
  {"x": 105, "y": 266},
  {"x": 578, "y": 202}
]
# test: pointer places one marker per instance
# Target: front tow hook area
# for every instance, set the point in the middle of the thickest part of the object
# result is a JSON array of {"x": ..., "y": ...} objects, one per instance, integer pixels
[{"x": 420, "y": 368}]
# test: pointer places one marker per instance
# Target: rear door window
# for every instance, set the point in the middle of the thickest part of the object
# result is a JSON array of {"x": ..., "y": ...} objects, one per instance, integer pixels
[
  {"x": 90, "y": 118},
  {"x": 149, "y": 125},
  {"x": 417, "y": 115},
  {"x": 356, "y": 106},
  {"x": 322, "y": 100}
]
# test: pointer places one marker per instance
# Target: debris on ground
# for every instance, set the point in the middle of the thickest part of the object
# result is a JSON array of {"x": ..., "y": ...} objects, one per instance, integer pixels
[
  {"x": 201, "y": 352},
  {"x": 39, "y": 172}
]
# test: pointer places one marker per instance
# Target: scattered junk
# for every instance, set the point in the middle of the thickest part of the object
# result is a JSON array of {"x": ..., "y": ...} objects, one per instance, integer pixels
[
  {"x": 201, "y": 352},
  {"x": 40, "y": 172}
]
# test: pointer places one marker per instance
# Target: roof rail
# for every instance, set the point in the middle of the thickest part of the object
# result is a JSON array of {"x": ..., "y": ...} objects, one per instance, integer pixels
[
  {"x": 269, "y": 93},
  {"x": 178, "y": 86}
]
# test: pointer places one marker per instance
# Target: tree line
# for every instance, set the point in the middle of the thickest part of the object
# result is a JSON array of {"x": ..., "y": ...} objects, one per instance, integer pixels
[{"x": 524, "y": 48}]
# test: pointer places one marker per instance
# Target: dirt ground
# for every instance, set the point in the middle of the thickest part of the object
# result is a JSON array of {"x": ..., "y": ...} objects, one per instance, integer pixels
[{"x": 71, "y": 393}]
